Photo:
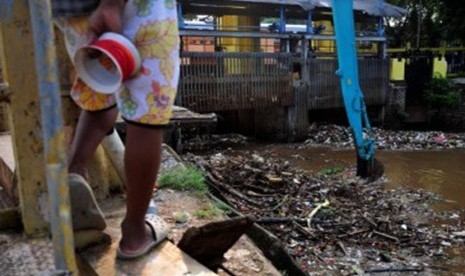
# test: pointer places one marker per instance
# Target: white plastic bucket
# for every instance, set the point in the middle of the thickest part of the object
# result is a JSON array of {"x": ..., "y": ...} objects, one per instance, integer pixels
[{"x": 107, "y": 63}]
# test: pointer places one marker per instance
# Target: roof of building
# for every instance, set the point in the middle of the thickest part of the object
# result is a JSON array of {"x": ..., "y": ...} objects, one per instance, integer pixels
[{"x": 369, "y": 7}]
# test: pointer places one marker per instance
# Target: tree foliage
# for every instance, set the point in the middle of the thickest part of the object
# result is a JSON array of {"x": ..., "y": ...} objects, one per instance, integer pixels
[
  {"x": 453, "y": 18},
  {"x": 442, "y": 93},
  {"x": 428, "y": 22}
]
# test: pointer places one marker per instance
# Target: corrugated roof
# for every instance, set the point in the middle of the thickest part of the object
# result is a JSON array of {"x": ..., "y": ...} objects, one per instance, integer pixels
[
  {"x": 371, "y": 7},
  {"x": 305, "y": 4}
]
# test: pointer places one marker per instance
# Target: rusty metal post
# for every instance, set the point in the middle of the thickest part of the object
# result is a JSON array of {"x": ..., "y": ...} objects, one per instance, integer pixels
[
  {"x": 17, "y": 57},
  {"x": 54, "y": 137}
]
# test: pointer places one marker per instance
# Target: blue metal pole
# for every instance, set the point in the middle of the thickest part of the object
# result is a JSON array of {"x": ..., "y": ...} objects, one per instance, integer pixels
[
  {"x": 181, "y": 22},
  {"x": 380, "y": 26},
  {"x": 54, "y": 138},
  {"x": 344, "y": 28},
  {"x": 282, "y": 20},
  {"x": 309, "y": 23},
  {"x": 380, "y": 18}
]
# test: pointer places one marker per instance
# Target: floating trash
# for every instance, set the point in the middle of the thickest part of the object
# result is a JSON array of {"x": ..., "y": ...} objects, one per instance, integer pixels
[{"x": 341, "y": 137}]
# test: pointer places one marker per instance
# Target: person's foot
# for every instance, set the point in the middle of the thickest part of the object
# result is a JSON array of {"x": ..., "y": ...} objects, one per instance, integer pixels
[
  {"x": 140, "y": 238},
  {"x": 84, "y": 208},
  {"x": 135, "y": 237}
]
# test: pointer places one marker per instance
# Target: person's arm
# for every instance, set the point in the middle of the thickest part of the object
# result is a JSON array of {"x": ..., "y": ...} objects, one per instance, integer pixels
[{"x": 106, "y": 18}]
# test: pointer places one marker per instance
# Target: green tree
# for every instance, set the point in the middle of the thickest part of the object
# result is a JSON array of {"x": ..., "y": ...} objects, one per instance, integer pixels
[
  {"x": 428, "y": 22},
  {"x": 422, "y": 26},
  {"x": 453, "y": 18}
]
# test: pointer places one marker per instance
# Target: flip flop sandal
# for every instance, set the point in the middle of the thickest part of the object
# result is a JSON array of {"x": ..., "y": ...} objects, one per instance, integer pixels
[
  {"x": 84, "y": 208},
  {"x": 159, "y": 230},
  {"x": 153, "y": 209}
]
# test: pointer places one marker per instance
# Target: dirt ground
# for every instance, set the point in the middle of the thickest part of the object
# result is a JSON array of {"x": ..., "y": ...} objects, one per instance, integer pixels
[{"x": 242, "y": 259}]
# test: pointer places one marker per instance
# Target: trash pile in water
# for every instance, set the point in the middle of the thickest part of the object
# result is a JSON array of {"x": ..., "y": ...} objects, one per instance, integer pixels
[
  {"x": 341, "y": 137},
  {"x": 335, "y": 222},
  {"x": 195, "y": 142}
]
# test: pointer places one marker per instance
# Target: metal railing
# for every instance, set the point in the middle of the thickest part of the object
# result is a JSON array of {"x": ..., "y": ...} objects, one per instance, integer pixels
[
  {"x": 455, "y": 56},
  {"x": 324, "y": 89},
  {"x": 222, "y": 81},
  {"x": 232, "y": 81}
]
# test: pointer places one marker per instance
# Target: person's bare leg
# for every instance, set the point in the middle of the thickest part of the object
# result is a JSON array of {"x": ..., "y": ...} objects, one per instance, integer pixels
[
  {"x": 90, "y": 131},
  {"x": 142, "y": 161}
]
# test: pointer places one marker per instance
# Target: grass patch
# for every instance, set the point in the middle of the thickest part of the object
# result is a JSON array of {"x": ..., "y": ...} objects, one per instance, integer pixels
[
  {"x": 331, "y": 171},
  {"x": 223, "y": 206},
  {"x": 184, "y": 179},
  {"x": 208, "y": 211}
]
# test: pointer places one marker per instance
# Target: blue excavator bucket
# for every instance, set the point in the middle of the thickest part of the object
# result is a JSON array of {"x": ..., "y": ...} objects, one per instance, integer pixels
[{"x": 344, "y": 27}]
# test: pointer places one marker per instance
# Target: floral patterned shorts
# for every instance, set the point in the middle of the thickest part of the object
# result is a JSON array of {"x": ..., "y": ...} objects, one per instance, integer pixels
[{"x": 148, "y": 97}]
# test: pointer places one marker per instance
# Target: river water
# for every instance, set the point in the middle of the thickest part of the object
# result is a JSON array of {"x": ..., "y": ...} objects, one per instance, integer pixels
[{"x": 441, "y": 172}]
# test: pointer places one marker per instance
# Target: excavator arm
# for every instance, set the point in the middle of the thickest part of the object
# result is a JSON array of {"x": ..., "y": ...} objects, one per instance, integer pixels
[{"x": 344, "y": 27}]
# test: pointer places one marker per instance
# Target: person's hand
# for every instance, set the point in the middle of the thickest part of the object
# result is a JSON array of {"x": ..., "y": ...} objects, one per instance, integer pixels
[{"x": 108, "y": 17}]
